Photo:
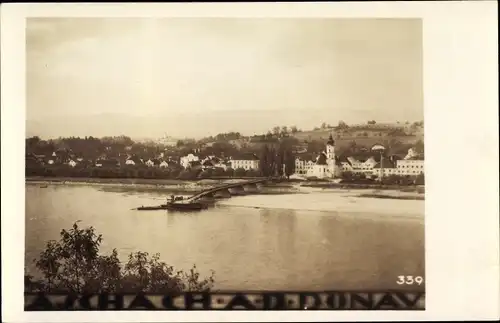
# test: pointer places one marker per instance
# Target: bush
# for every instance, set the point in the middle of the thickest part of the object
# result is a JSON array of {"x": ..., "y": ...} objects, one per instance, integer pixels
[
  {"x": 240, "y": 172},
  {"x": 73, "y": 264}
]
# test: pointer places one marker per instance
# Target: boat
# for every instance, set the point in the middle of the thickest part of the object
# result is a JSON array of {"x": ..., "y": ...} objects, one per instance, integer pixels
[
  {"x": 151, "y": 208},
  {"x": 175, "y": 206},
  {"x": 186, "y": 205}
]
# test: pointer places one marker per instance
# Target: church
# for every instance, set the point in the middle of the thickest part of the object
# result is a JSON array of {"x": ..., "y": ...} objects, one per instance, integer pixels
[{"x": 326, "y": 164}]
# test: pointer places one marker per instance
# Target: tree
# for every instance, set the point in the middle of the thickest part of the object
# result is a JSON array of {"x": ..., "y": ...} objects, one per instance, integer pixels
[
  {"x": 276, "y": 130},
  {"x": 289, "y": 163},
  {"x": 189, "y": 174},
  {"x": 73, "y": 264},
  {"x": 264, "y": 162},
  {"x": 284, "y": 130},
  {"x": 229, "y": 172},
  {"x": 218, "y": 171},
  {"x": 239, "y": 172},
  {"x": 280, "y": 160},
  {"x": 342, "y": 125},
  {"x": 420, "y": 180},
  {"x": 294, "y": 129},
  {"x": 419, "y": 146},
  {"x": 272, "y": 161},
  {"x": 323, "y": 125},
  {"x": 315, "y": 146}
]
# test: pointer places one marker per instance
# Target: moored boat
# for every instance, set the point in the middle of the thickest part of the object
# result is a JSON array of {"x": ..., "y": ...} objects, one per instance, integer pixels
[
  {"x": 180, "y": 206},
  {"x": 185, "y": 205},
  {"x": 151, "y": 208}
]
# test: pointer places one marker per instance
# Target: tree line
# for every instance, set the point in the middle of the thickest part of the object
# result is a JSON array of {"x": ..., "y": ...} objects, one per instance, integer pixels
[
  {"x": 137, "y": 172},
  {"x": 392, "y": 179}
]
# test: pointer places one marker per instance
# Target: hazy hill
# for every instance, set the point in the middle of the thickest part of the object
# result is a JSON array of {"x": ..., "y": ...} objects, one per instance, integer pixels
[{"x": 177, "y": 124}]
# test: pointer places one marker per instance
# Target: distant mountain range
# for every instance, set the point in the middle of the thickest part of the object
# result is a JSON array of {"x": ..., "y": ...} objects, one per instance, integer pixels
[{"x": 179, "y": 124}]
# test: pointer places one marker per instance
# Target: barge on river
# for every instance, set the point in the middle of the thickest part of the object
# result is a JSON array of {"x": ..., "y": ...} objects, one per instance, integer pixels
[{"x": 176, "y": 206}]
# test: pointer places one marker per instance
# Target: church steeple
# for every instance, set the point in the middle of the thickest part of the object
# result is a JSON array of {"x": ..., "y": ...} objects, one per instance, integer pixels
[{"x": 330, "y": 141}]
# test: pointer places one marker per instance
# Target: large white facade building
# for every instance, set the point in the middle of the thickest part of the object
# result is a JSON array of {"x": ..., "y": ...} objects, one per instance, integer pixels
[
  {"x": 246, "y": 161},
  {"x": 411, "y": 165}
]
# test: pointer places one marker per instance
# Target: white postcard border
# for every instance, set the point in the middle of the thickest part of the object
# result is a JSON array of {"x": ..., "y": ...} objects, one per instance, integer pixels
[{"x": 461, "y": 127}]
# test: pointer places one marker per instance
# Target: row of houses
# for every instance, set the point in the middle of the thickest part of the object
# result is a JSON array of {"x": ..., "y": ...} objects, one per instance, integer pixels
[
  {"x": 245, "y": 161},
  {"x": 412, "y": 164},
  {"x": 325, "y": 165}
]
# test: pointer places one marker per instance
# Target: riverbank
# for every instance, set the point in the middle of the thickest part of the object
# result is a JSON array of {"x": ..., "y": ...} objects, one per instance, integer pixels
[
  {"x": 180, "y": 186},
  {"x": 371, "y": 186}
]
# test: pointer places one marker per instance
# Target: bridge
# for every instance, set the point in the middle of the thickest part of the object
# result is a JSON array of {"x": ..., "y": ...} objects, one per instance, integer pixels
[{"x": 211, "y": 191}]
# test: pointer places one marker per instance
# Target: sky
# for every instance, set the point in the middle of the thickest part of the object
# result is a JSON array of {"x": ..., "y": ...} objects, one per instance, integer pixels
[{"x": 200, "y": 76}]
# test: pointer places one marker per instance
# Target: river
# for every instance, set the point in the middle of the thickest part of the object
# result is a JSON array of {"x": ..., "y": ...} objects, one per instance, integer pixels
[{"x": 318, "y": 240}]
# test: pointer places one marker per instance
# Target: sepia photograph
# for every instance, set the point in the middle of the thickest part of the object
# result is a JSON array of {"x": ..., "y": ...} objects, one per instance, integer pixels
[
  {"x": 239, "y": 154},
  {"x": 258, "y": 160}
]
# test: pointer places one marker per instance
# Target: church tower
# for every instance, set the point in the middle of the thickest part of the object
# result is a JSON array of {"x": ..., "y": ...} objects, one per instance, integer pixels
[
  {"x": 330, "y": 148},
  {"x": 330, "y": 156}
]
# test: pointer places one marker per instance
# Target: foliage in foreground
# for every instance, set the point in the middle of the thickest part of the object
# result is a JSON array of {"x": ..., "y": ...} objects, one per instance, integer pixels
[{"x": 73, "y": 264}]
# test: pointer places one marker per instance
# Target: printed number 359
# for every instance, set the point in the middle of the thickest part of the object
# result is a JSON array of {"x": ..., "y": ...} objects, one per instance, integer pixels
[{"x": 410, "y": 280}]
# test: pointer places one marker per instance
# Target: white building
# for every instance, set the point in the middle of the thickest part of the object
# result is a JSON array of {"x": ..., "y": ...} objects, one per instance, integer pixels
[
  {"x": 150, "y": 163},
  {"x": 167, "y": 141},
  {"x": 133, "y": 161},
  {"x": 72, "y": 163},
  {"x": 386, "y": 167},
  {"x": 326, "y": 165},
  {"x": 353, "y": 165},
  {"x": 411, "y": 167},
  {"x": 245, "y": 161},
  {"x": 303, "y": 165},
  {"x": 187, "y": 160}
]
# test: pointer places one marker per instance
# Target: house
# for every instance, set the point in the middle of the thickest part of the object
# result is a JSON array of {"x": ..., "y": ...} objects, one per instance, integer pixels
[
  {"x": 153, "y": 162},
  {"x": 303, "y": 163},
  {"x": 246, "y": 161},
  {"x": 50, "y": 160},
  {"x": 133, "y": 160},
  {"x": 186, "y": 160},
  {"x": 359, "y": 164},
  {"x": 212, "y": 162},
  {"x": 207, "y": 164}
]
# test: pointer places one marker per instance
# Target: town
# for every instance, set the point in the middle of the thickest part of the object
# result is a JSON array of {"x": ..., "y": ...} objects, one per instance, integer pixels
[{"x": 392, "y": 153}]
